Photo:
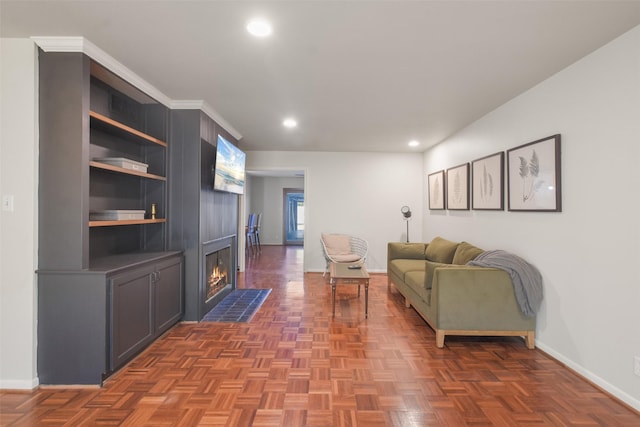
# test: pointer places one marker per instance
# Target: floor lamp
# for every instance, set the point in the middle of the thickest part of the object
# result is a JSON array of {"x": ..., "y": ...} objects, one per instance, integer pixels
[{"x": 406, "y": 213}]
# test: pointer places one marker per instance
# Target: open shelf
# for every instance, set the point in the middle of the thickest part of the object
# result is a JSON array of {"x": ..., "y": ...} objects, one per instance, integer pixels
[
  {"x": 105, "y": 122},
  {"x": 126, "y": 222},
  {"x": 118, "y": 169}
]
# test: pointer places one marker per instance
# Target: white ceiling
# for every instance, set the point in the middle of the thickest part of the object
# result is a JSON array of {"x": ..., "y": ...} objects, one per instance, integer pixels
[{"x": 357, "y": 75}]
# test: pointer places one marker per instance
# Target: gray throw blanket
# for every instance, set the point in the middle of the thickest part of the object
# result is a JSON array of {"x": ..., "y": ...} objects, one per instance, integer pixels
[{"x": 527, "y": 280}]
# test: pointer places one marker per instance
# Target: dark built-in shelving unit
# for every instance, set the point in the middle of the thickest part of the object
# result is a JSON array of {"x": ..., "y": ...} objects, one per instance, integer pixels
[{"x": 106, "y": 289}]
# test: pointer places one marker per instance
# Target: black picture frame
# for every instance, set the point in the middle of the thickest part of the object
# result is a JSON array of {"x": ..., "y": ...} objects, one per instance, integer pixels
[{"x": 534, "y": 176}]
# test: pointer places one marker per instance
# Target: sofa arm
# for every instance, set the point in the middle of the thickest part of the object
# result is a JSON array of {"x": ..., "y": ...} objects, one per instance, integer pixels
[
  {"x": 401, "y": 250},
  {"x": 476, "y": 298}
]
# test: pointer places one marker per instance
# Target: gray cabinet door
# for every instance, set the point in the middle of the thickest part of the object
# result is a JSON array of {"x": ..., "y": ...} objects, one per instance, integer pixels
[
  {"x": 132, "y": 316},
  {"x": 168, "y": 289}
]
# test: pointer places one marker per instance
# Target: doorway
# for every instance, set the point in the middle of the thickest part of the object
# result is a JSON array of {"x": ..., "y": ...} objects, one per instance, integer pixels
[{"x": 293, "y": 216}]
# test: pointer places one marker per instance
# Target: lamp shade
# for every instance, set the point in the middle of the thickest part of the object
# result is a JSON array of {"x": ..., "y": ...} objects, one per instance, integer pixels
[{"x": 406, "y": 211}]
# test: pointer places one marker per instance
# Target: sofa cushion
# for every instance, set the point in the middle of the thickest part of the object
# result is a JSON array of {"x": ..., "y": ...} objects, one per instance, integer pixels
[
  {"x": 400, "y": 267},
  {"x": 415, "y": 280},
  {"x": 337, "y": 244},
  {"x": 431, "y": 266},
  {"x": 465, "y": 252},
  {"x": 441, "y": 250},
  {"x": 408, "y": 250}
]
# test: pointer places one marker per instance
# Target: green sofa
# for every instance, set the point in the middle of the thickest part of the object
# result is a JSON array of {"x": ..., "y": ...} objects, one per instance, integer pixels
[{"x": 455, "y": 298}]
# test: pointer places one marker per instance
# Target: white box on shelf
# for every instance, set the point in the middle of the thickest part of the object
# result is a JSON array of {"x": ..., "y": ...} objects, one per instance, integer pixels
[
  {"x": 116, "y": 215},
  {"x": 123, "y": 163}
]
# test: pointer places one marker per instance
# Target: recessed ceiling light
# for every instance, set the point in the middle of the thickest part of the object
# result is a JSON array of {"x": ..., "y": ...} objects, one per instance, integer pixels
[
  {"x": 289, "y": 123},
  {"x": 259, "y": 28},
  {"x": 413, "y": 143}
]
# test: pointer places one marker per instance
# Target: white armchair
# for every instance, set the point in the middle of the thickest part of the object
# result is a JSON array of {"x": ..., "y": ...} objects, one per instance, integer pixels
[{"x": 343, "y": 248}]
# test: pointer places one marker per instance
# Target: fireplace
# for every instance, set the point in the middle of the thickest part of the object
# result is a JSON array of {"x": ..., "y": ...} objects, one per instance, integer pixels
[{"x": 219, "y": 271}]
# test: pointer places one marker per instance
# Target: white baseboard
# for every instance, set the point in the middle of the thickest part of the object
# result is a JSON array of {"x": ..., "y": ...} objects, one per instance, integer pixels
[
  {"x": 604, "y": 385},
  {"x": 19, "y": 384}
]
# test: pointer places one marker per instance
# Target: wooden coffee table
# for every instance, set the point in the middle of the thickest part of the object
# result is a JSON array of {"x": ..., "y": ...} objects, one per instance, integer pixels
[{"x": 340, "y": 272}]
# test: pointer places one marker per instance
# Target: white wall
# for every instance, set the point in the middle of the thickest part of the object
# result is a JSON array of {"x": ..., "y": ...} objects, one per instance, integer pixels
[
  {"x": 18, "y": 249},
  {"x": 589, "y": 254},
  {"x": 265, "y": 195},
  {"x": 354, "y": 193}
]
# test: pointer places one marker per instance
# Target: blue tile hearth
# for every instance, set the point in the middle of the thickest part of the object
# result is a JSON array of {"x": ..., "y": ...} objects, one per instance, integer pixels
[{"x": 239, "y": 306}]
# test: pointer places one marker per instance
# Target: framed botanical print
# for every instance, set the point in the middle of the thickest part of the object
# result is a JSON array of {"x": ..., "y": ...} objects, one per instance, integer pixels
[
  {"x": 487, "y": 182},
  {"x": 458, "y": 187},
  {"x": 534, "y": 176},
  {"x": 436, "y": 190}
]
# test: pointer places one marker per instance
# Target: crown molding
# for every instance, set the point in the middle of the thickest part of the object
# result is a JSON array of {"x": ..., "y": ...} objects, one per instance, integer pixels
[
  {"x": 187, "y": 104},
  {"x": 80, "y": 44},
  {"x": 59, "y": 44},
  {"x": 209, "y": 111}
]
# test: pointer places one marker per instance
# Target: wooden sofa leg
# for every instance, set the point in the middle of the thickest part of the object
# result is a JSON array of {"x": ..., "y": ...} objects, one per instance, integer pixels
[
  {"x": 529, "y": 340},
  {"x": 440, "y": 338},
  {"x": 407, "y": 303}
]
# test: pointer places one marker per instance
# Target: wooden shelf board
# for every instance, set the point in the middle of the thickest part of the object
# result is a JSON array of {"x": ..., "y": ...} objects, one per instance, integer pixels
[
  {"x": 125, "y": 128},
  {"x": 126, "y": 222},
  {"x": 118, "y": 169}
]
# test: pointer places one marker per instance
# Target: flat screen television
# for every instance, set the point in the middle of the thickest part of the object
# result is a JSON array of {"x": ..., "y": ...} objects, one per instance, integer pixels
[{"x": 229, "y": 167}]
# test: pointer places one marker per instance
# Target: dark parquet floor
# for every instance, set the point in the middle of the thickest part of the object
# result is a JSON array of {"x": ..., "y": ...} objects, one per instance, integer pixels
[{"x": 295, "y": 365}]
